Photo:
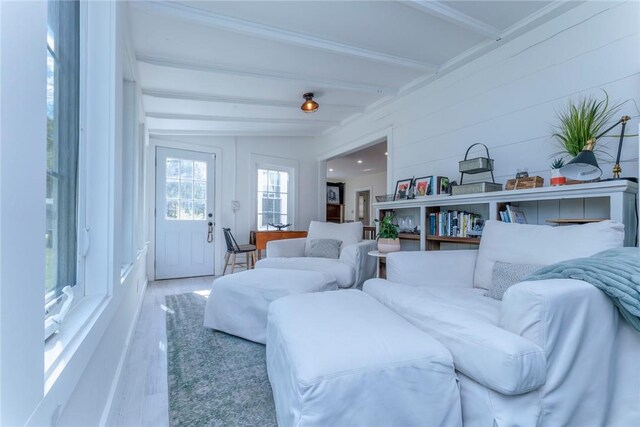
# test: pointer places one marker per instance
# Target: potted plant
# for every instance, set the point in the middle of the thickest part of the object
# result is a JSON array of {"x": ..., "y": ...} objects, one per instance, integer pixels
[
  {"x": 388, "y": 240},
  {"x": 556, "y": 176},
  {"x": 582, "y": 121}
]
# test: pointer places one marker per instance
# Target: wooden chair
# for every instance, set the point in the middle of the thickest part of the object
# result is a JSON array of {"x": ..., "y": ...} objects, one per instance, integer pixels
[
  {"x": 233, "y": 249},
  {"x": 368, "y": 232}
]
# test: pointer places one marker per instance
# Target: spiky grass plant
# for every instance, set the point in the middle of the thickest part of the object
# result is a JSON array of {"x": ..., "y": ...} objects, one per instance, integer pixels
[
  {"x": 557, "y": 163},
  {"x": 583, "y": 120}
]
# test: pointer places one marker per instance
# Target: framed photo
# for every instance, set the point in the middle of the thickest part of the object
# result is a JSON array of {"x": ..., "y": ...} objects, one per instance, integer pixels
[
  {"x": 422, "y": 186},
  {"x": 440, "y": 185},
  {"x": 333, "y": 195},
  {"x": 402, "y": 189}
]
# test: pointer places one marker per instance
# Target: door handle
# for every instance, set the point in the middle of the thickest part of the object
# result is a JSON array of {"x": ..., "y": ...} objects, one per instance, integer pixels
[{"x": 210, "y": 232}]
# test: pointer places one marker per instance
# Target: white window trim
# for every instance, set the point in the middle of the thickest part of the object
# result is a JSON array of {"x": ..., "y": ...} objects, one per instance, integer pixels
[
  {"x": 291, "y": 166},
  {"x": 92, "y": 298},
  {"x": 53, "y": 305}
]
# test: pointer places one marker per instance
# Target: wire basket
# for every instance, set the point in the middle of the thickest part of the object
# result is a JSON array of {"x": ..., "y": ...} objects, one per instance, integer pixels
[{"x": 385, "y": 198}]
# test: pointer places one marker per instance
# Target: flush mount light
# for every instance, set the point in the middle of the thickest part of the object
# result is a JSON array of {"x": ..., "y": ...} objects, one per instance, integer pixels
[
  {"x": 309, "y": 105},
  {"x": 359, "y": 161},
  {"x": 330, "y": 170}
]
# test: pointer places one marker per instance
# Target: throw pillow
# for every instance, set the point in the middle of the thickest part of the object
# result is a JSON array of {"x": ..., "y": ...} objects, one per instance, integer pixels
[
  {"x": 323, "y": 248},
  {"x": 506, "y": 275}
]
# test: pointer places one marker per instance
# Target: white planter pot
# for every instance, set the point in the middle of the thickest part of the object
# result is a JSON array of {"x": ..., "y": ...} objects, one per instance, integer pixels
[{"x": 388, "y": 245}]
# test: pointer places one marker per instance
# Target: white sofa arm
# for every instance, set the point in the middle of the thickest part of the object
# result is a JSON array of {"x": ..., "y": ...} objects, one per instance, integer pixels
[
  {"x": 356, "y": 256},
  {"x": 577, "y": 327},
  {"x": 442, "y": 268},
  {"x": 287, "y": 248}
]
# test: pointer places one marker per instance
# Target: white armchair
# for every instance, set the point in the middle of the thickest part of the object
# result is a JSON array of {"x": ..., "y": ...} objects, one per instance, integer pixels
[
  {"x": 554, "y": 352},
  {"x": 351, "y": 269}
]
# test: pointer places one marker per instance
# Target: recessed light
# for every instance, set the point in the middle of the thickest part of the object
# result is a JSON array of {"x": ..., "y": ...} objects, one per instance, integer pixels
[
  {"x": 330, "y": 170},
  {"x": 359, "y": 161},
  {"x": 386, "y": 154}
]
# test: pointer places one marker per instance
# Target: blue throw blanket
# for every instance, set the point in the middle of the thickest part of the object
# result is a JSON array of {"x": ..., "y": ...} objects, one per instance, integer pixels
[{"x": 616, "y": 272}]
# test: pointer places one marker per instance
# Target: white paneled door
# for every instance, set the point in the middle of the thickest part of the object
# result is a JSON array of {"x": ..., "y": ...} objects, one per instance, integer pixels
[{"x": 184, "y": 213}]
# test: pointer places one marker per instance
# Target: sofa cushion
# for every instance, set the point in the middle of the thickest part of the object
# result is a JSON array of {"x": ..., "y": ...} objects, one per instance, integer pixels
[
  {"x": 464, "y": 321},
  {"x": 344, "y": 274},
  {"x": 323, "y": 248},
  {"x": 541, "y": 244},
  {"x": 506, "y": 275},
  {"x": 349, "y": 233}
]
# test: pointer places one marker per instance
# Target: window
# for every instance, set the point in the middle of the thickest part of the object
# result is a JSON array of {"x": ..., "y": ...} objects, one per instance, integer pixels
[
  {"x": 63, "y": 141},
  {"x": 129, "y": 164},
  {"x": 273, "y": 198},
  {"x": 186, "y": 187}
]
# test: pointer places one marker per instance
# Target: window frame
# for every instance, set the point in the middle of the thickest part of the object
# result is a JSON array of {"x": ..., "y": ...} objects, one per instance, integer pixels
[
  {"x": 53, "y": 302},
  {"x": 276, "y": 164}
]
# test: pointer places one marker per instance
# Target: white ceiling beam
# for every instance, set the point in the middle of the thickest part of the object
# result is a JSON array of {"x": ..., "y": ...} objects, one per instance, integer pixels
[
  {"x": 228, "y": 23},
  {"x": 185, "y": 64},
  {"x": 449, "y": 14},
  {"x": 234, "y": 119},
  {"x": 192, "y": 132},
  {"x": 189, "y": 96}
]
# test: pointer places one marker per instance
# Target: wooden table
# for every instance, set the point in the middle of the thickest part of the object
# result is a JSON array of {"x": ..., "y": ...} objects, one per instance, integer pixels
[{"x": 260, "y": 238}]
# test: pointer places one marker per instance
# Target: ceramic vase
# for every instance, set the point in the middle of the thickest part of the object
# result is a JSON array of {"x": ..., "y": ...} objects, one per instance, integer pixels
[
  {"x": 557, "y": 178},
  {"x": 388, "y": 245}
]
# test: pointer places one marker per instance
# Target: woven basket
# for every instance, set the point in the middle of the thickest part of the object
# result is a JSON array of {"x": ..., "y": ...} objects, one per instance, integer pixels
[{"x": 525, "y": 183}]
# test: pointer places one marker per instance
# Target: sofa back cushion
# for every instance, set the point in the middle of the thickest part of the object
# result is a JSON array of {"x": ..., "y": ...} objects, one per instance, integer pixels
[
  {"x": 541, "y": 244},
  {"x": 348, "y": 233}
]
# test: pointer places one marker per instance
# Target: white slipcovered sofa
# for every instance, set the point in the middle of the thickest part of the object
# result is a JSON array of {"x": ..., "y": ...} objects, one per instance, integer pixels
[
  {"x": 350, "y": 270},
  {"x": 551, "y": 353}
]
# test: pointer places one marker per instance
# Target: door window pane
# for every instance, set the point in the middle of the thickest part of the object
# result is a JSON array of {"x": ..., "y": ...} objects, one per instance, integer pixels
[{"x": 186, "y": 189}]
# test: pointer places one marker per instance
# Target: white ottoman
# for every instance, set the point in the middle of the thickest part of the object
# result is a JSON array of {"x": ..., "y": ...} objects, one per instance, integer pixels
[
  {"x": 344, "y": 359},
  {"x": 238, "y": 303}
]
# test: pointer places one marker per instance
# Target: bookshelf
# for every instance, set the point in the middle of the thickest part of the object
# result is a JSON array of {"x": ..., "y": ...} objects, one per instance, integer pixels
[{"x": 569, "y": 204}]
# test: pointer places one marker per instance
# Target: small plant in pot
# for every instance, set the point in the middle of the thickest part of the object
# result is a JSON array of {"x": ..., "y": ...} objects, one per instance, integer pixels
[
  {"x": 388, "y": 240},
  {"x": 556, "y": 176}
]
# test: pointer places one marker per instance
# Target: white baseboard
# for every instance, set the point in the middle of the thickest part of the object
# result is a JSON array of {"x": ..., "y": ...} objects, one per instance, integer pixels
[{"x": 106, "y": 412}]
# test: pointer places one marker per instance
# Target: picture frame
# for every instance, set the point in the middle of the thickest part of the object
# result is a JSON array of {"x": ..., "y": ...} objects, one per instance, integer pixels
[
  {"x": 333, "y": 195},
  {"x": 422, "y": 186},
  {"x": 440, "y": 185},
  {"x": 402, "y": 189}
]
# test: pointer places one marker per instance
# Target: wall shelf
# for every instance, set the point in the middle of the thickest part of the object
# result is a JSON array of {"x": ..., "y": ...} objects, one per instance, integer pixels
[
  {"x": 409, "y": 236},
  {"x": 580, "y": 203},
  {"x": 450, "y": 239}
]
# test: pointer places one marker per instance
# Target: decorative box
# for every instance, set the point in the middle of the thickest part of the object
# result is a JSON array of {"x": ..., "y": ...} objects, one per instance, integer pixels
[
  {"x": 476, "y": 187},
  {"x": 477, "y": 165},
  {"x": 524, "y": 183}
]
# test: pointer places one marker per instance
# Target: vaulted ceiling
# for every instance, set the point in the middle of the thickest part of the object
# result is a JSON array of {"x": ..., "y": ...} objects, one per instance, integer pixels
[{"x": 241, "y": 67}]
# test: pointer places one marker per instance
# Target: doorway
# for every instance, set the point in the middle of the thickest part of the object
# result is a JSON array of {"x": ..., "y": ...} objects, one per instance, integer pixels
[
  {"x": 363, "y": 201},
  {"x": 184, "y": 213}
]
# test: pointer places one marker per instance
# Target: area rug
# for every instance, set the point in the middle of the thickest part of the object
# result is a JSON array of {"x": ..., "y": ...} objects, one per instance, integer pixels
[{"x": 214, "y": 379}]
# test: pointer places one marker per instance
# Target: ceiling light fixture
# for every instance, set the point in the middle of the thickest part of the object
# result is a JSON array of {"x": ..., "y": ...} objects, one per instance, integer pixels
[
  {"x": 386, "y": 154},
  {"x": 309, "y": 105},
  {"x": 359, "y": 161},
  {"x": 330, "y": 170}
]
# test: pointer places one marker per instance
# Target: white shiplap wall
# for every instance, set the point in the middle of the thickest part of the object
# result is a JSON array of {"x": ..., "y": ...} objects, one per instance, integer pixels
[{"x": 507, "y": 99}]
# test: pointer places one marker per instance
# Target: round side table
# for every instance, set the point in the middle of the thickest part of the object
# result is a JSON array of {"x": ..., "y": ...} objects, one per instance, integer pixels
[{"x": 378, "y": 255}]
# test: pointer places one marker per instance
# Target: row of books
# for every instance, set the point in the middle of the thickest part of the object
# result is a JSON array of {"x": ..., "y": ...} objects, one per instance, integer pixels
[
  {"x": 455, "y": 224},
  {"x": 513, "y": 214}
]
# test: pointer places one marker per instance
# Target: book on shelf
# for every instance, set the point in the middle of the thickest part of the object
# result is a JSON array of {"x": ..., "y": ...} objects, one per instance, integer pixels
[
  {"x": 455, "y": 224},
  {"x": 513, "y": 214}
]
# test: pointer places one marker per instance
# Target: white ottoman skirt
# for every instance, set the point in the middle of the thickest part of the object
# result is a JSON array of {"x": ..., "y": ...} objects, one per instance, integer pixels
[
  {"x": 238, "y": 303},
  {"x": 344, "y": 359}
]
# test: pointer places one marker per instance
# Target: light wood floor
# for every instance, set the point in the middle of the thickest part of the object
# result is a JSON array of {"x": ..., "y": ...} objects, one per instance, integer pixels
[{"x": 142, "y": 398}]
